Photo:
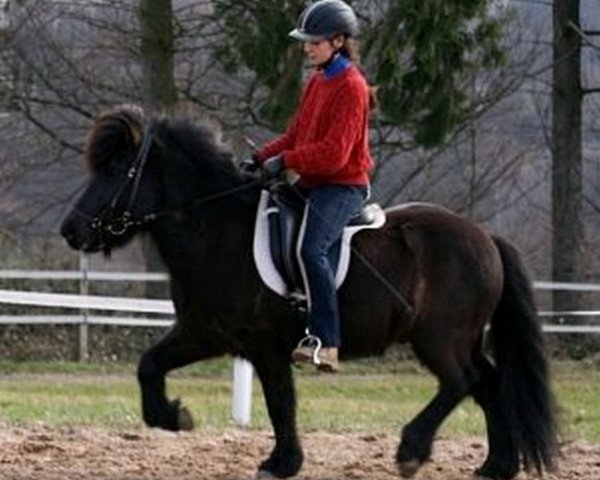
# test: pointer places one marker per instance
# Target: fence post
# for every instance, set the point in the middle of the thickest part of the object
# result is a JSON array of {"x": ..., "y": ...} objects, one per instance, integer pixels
[
  {"x": 242, "y": 392},
  {"x": 84, "y": 289}
]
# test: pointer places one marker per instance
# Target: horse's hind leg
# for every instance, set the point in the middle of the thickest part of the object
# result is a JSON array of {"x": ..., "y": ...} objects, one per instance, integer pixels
[
  {"x": 175, "y": 350},
  {"x": 417, "y": 436},
  {"x": 274, "y": 372},
  {"x": 501, "y": 461}
]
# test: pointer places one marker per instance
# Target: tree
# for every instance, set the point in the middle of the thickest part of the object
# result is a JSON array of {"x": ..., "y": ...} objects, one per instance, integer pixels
[
  {"x": 157, "y": 52},
  {"x": 423, "y": 55},
  {"x": 567, "y": 97},
  {"x": 254, "y": 37},
  {"x": 573, "y": 256}
]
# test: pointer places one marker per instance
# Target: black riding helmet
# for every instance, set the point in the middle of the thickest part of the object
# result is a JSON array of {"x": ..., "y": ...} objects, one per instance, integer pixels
[{"x": 324, "y": 19}]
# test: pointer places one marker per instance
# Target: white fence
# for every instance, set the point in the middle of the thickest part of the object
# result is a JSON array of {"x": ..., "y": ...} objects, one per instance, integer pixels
[
  {"x": 242, "y": 373},
  {"x": 84, "y": 303}
]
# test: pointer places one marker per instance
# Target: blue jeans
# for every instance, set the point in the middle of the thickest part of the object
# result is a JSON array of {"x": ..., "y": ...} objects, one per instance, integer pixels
[{"x": 329, "y": 209}]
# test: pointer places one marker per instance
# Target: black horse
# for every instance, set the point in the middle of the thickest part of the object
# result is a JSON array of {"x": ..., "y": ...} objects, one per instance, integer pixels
[{"x": 428, "y": 277}]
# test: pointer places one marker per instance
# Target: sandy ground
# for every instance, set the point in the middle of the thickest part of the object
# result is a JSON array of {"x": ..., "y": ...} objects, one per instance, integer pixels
[{"x": 43, "y": 453}]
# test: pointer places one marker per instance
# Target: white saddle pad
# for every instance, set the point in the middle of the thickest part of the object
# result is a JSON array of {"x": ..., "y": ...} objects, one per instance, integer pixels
[{"x": 262, "y": 251}]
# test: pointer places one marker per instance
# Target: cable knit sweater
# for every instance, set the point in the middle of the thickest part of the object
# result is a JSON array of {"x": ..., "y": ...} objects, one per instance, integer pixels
[{"x": 327, "y": 140}]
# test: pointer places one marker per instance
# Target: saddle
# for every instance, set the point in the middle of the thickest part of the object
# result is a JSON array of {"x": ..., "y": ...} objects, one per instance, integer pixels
[{"x": 276, "y": 249}]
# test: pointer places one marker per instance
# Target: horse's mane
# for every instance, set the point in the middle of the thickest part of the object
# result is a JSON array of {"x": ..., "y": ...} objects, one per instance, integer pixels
[
  {"x": 119, "y": 133},
  {"x": 197, "y": 142}
]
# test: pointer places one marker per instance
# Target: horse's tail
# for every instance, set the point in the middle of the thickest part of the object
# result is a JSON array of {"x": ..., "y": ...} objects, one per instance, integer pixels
[{"x": 523, "y": 391}]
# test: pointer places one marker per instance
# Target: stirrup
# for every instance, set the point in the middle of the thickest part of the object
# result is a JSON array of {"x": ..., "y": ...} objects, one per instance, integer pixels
[{"x": 314, "y": 343}]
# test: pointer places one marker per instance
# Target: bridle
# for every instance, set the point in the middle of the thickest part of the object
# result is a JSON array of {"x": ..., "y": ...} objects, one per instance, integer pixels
[{"x": 110, "y": 219}]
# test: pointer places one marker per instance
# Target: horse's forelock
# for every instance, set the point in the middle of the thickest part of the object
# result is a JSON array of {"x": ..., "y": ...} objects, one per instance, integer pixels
[{"x": 113, "y": 134}]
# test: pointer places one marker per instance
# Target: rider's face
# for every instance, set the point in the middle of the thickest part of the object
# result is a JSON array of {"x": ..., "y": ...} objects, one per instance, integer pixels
[{"x": 320, "y": 51}]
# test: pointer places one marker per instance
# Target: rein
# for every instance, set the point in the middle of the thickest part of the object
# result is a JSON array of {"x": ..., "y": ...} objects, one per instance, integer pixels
[
  {"x": 199, "y": 201},
  {"x": 117, "y": 224}
]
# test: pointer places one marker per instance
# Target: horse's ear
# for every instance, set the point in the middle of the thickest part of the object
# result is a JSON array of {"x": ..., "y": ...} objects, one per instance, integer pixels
[{"x": 114, "y": 135}]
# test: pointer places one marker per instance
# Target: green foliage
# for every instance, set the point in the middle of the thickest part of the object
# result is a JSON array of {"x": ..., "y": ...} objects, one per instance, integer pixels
[
  {"x": 256, "y": 38},
  {"x": 422, "y": 53}
]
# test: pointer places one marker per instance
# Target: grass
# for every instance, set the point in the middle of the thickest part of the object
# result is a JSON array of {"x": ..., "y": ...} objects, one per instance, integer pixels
[
  {"x": 363, "y": 399},
  {"x": 578, "y": 391}
]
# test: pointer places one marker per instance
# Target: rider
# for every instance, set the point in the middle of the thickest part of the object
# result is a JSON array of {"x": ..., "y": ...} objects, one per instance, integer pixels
[{"x": 327, "y": 145}]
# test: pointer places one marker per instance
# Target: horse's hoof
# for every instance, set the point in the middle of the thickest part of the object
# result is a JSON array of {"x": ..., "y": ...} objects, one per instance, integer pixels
[
  {"x": 409, "y": 467},
  {"x": 185, "y": 421},
  {"x": 264, "y": 475},
  {"x": 491, "y": 471}
]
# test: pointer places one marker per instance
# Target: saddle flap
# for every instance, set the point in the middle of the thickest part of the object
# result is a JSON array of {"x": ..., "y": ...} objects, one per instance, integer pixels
[
  {"x": 272, "y": 270},
  {"x": 372, "y": 217},
  {"x": 284, "y": 225}
]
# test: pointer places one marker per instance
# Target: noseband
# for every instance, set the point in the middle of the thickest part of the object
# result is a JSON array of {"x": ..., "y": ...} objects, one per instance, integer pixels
[{"x": 109, "y": 219}]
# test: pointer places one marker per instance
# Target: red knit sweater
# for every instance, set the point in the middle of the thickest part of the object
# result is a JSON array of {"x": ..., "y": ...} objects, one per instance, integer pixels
[{"x": 327, "y": 141}]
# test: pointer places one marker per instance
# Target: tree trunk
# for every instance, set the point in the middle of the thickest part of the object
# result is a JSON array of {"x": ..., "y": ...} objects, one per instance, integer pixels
[
  {"x": 157, "y": 54},
  {"x": 567, "y": 230},
  {"x": 160, "y": 92}
]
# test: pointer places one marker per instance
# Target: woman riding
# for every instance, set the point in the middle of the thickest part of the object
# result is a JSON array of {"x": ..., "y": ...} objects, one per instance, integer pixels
[{"x": 327, "y": 145}]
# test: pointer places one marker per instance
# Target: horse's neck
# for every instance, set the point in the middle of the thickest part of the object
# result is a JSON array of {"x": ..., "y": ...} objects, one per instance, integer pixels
[
  {"x": 206, "y": 236},
  {"x": 209, "y": 202}
]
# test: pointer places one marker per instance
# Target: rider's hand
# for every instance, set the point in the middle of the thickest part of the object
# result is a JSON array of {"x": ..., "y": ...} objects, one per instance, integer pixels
[
  {"x": 249, "y": 165},
  {"x": 273, "y": 167}
]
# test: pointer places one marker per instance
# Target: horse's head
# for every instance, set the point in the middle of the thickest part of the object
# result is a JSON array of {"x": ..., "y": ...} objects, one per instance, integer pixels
[{"x": 123, "y": 189}]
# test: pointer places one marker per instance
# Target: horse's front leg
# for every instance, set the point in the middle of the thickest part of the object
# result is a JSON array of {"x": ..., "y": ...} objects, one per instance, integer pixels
[
  {"x": 177, "y": 349},
  {"x": 275, "y": 374}
]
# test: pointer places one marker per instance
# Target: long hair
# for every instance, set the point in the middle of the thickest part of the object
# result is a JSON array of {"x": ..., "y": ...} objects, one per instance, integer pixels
[{"x": 350, "y": 49}]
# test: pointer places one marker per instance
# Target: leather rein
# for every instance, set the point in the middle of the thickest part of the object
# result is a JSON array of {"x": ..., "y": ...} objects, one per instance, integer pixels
[{"x": 111, "y": 221}]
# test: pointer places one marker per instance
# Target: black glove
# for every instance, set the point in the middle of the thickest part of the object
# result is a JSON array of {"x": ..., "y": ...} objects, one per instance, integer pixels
[
  {"x": 249, "y": 165},
  {"x": 273, "y": 167}
]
